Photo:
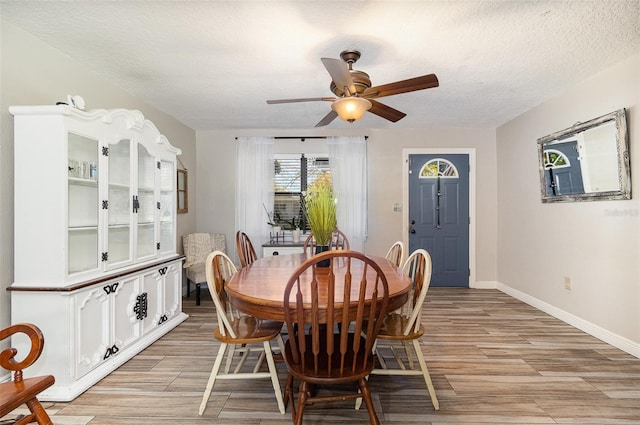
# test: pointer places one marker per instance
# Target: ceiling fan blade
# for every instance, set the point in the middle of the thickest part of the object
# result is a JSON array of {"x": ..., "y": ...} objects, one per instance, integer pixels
[
  {"x": 386, "y": 112},
  {"x": 303, "y": 99},
  {"x": 339, "y": 71},
  {"x": 327, "y": 119},
  {"x": 404, "y": 86}
]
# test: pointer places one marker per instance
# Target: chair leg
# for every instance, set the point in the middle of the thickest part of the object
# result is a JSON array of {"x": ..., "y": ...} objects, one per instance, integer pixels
[
  {"x": 261, "y": 358},
  {"x": 212, "y": 378},
  {"x": 427, "y": 377},
  {"x": 197, "y": 294},
  {"x": 375, "y": 352},
  {"x": 303, "y": 394},
  {"x": 359, "y": 399},
  {"x": 366, "y": 394},
  {"x": 38, "y": 412},
  {"x": 409, "y": 352},
  {"x": 288, "y": 396},
  {"x": 274, "y": 375},
  {"x": 230, "y": 354}
]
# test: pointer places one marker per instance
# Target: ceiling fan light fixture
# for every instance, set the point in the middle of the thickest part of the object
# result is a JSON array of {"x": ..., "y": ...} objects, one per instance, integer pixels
[{"x": 351, "y": 108}]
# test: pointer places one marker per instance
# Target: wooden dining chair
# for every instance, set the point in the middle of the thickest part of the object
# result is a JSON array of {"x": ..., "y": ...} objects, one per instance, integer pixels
[
  {"x": 403, "y": 327},
  {"x": 246, "y": 252},
  {"x": 21, "y": 390},
  {"x": 396, "y": 253},
  {"x": 338, "y": 241},
  {"x": 239, "y": 333},
  {"x": 326, "y": 345}
]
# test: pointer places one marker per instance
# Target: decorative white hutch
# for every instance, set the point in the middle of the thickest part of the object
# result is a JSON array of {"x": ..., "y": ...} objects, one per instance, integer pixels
[{"x": 96, "y": 267}]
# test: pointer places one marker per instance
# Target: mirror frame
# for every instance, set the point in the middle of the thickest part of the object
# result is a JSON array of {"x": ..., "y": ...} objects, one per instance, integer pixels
[{"x": 624, "y": 166}]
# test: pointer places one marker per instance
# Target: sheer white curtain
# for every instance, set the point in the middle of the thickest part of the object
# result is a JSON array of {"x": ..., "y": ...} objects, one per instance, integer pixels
[
  {"x": 254, "y": 187},
  {"x": 348, "y": 162}
]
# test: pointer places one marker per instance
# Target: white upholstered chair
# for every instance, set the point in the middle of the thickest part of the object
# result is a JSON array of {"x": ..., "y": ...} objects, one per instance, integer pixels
[{"x": 197, "y": 246}]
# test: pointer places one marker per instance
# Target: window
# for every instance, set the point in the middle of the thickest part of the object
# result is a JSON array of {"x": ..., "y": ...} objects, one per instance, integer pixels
[
  {"x": 293, "y": 174},
  {"x": 438, "y": 167},
  {"x": 555, "y": 159}
]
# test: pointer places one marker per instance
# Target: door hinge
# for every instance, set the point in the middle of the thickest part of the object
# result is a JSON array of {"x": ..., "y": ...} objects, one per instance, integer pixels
[
  {"x": 105, "y": 256},
  {"x": 158, "y": 205},
  {"x": 158, "y": 246},
  {"x": 105, "y": 151},
  {"x": 136, "y": 204}
]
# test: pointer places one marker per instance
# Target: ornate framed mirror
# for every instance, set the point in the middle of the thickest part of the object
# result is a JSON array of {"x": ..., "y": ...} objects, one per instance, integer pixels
[{"x": 586, "y": 162}]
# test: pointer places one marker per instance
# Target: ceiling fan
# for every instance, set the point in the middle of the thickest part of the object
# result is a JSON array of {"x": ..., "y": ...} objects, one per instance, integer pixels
[{"x": 354, "y": 93}]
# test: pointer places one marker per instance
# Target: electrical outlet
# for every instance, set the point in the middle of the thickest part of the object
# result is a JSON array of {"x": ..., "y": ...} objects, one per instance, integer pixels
[{"x": 567, "y": 283}]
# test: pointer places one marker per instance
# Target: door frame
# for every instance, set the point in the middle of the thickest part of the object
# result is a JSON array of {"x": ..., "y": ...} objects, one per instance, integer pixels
[{"x": 471, "y": 153}]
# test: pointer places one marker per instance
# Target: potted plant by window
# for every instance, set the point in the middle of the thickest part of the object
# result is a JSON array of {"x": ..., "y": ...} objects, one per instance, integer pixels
[
  {"x": 294, "y": 225},
  {"x": 320, "y": 208}
]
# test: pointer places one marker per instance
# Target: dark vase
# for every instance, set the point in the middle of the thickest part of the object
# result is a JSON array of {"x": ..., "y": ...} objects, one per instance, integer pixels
[{"x": 319, "y": 250}]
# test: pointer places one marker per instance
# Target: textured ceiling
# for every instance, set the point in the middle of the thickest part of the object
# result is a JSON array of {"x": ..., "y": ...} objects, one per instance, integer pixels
[{"x": 213, "y": 64}]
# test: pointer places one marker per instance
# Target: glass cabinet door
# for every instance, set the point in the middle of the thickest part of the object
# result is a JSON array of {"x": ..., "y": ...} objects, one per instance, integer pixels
[
  {"x": 82, "y": 207},
  {"x": 167, "y": 206},
  {"x": 146, "y": 205},
  {"x": 119, "y": 203}
]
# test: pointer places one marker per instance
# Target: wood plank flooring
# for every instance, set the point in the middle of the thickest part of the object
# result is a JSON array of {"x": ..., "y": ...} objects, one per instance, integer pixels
[{"x": 492, "y": 358}]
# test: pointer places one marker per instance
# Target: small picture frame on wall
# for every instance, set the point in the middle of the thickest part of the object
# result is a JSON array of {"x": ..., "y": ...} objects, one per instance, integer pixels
[{"x": 183, "y": 193}]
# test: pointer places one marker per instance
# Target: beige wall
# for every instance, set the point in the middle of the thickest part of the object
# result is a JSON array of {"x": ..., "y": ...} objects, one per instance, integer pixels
[
  {"x": 33, "y": 73},
  {"x": 216, "y": 177},
  {"x": 593, "y": 243}
]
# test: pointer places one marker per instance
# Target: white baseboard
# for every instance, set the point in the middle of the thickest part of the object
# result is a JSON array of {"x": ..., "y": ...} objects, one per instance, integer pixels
[
  {"x": 609, "y": 337},
  {"x": 489, "y": 284}
]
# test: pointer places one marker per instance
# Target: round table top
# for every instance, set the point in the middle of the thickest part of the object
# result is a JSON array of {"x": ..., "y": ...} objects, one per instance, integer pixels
[{"x": 258, "y": 289}]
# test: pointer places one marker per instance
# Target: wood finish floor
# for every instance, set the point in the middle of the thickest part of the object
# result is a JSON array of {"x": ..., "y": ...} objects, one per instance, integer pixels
[{"x": 492, "y": 358}]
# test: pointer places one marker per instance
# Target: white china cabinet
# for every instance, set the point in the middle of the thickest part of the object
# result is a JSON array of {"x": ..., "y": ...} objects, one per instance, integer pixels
[{"x": 96, "y": 267}]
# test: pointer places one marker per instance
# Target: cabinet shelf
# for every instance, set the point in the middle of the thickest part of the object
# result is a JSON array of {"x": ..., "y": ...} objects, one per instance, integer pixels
[
  {"x": 83, "y": 182},
  {"x": 119, "y": 186},
  {"x": 82, "y": 228},
  {"x": 119, "y": 226}
]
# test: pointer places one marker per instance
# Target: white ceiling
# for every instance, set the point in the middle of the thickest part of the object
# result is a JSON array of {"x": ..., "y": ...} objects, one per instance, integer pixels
[{"x": 213, "y": 64}]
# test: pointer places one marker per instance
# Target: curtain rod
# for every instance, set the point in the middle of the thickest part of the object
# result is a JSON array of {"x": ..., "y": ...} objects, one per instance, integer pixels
[{"x": 303, "y": 138}]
